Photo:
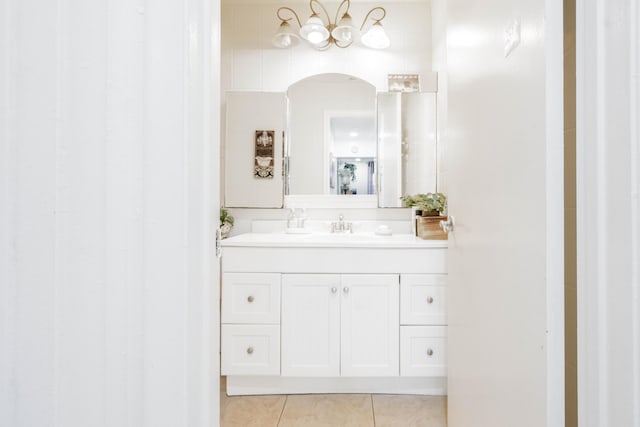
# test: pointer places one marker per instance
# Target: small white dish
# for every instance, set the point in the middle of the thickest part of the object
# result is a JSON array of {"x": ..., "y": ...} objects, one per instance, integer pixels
[{"x": 383, "y": 230}]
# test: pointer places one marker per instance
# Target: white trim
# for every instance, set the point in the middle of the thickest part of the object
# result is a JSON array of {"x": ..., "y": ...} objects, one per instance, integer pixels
[
  {"x": 202, "y": 52},
  {"x": 211, "y": 329},
  {"x": 586, "y": 99},
  {"x": 634, "y": 56},
  {"x": 554, "y": 217},
  {"x": 252, "y": 385},
  {"x": 608, "y": 271},
  {"x": 8, "y": 160},
  {"x": 600, "y": 202}
]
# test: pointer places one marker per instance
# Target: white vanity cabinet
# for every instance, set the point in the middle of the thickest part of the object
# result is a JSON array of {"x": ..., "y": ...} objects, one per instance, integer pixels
[
  {"x": 340, "y": 325},
  {"x": 333, "y": 314}
]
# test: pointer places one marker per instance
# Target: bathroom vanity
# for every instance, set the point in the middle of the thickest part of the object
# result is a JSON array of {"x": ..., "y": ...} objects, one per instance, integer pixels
[{"x": 333, "y": 313}]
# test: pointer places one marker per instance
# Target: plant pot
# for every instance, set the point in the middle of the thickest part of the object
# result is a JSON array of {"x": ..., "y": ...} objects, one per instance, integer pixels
[
  {"x": 428, "y": 228},
  {"x": 430, "y": 213},
  {"x": 225, "y": 228}
]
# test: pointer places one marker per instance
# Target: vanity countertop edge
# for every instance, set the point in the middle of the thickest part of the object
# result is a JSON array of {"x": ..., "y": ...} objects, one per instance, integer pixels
[{"x": 332, "y": 240}]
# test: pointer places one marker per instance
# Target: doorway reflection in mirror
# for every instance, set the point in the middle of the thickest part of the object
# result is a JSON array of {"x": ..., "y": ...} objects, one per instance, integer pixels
[{"x": 355, "y": 175}]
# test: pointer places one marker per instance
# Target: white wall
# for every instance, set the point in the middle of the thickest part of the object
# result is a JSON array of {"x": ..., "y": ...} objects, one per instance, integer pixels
[
  {"x": 608, "y": 212},
  {"x": 439, "y": 63},
  {"x": 107, "y": 293},
  {"x": 249, "y": 112},
  {"x": 251, "y": 62}
]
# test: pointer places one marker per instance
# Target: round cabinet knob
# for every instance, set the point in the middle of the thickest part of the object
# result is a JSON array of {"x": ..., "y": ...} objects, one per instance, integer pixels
[
  {"x": 429, "y": 352},
  {"x": 345, "y": 290},
  {"x": 250, "y": 298},
  {"x": 250, "y": 350},
  {"x": 429, "y": 300},
  {"x": 334, "y": 290}
]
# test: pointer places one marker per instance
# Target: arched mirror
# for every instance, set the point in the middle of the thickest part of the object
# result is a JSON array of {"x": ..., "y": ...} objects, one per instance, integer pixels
[
  {"x": 348, "y": 144},
  {"x": 331, "y": 147}
]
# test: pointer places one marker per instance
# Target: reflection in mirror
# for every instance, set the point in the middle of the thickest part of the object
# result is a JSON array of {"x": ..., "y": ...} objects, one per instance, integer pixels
[
  {"x": 407, "y": 146},
  {"x": 331, "y": 149},
  {"x": 352, "y": 152},
  {"x": 344, "y": 139}
]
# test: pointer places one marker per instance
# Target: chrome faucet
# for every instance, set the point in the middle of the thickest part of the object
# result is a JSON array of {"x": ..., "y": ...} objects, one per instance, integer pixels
[{"x": 341, "y": 226}]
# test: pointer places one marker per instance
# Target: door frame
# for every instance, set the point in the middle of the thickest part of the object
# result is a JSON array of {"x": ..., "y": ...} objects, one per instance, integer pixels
[
  {"x": 608, "y": 274},
  {"x": 202, "y": 106}
]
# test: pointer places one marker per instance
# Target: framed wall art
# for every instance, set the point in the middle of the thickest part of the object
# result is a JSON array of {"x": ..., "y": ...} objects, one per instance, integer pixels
[{"x": 264, "y": 154}]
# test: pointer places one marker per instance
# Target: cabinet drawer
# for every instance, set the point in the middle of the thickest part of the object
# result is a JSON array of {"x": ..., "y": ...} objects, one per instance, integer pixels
[
  {"x": 423, "y": 299},
  {"x": 251, "y": 298},
  {"x": 423, "y": 351},
  {"x": 250, "y": 350}
]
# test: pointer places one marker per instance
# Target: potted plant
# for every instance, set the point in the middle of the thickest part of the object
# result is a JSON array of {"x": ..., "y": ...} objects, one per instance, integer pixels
[
  {"x": 352, "y": 169},
  {"x": 430, "y": 204},
  {"x": 427, "y": 214},
  {"x": 347, "y": 175},
  {"x": 226, "y": 222}
]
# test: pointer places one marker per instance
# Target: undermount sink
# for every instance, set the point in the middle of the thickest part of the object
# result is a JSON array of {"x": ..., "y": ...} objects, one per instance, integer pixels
[{"x": 295, "y": 230}]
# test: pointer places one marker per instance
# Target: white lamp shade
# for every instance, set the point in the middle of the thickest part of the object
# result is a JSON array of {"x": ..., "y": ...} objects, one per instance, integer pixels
[
  {"x": 314, "y": 30},
  {"x": 376, "y": 37},
  {"x": 285, "y": 36},
  {"x": 344, "y": 31}
]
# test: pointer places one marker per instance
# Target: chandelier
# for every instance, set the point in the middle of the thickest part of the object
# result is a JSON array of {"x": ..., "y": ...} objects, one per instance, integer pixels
[{"x": 322, "y": 32}]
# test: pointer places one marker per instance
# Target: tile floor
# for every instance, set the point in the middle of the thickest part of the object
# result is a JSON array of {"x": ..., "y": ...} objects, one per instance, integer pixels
[{"x": 329, "y": 410}]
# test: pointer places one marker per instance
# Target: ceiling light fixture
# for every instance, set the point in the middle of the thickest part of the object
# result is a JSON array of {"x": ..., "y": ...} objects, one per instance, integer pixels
[{"x": 321, "y": 34}]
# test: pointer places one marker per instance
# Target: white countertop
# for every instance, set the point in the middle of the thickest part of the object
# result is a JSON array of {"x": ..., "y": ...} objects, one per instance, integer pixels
[{"x": 331, "y": 240}]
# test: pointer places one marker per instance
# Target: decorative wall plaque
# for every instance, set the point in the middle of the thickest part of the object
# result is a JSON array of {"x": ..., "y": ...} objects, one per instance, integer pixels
[
  {"x": 404, "y": 82},
  {"x": 263, "y": 164}
]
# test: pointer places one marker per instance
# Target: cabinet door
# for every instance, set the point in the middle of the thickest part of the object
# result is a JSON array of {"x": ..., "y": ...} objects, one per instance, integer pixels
[
  {"x": 310, "y": 325},
  {"x": 370, "y": 325}
]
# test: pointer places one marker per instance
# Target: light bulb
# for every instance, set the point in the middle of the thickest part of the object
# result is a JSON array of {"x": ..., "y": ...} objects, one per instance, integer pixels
[
  {"x": 376, "y": 37},
  {"x": 342, "y": 34},
  {"x": 345, "y": 30},
  {"x": 315, "y": 37},
  {"x": 285, "y": 36},
  {"x": 286, "y": 40},
  {"x": 314, "y": 30}
]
